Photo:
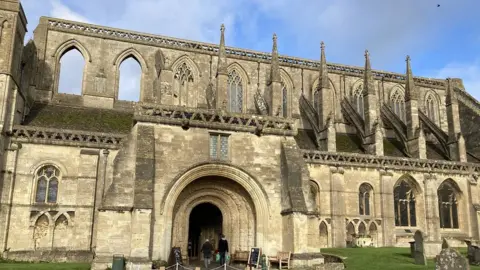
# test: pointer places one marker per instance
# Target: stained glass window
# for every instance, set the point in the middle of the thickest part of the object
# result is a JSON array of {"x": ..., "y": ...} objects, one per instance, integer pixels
[
  {"x": 41, "y": 189},
  {"x": 447, "y": 204},
  {"x": 404, "y": 203},
  {"x": 235, "y": 92},
  {"x": 219, "y": 146},
  {"x": 364, "y": 195},
  {"x": 47, "y": 185}
]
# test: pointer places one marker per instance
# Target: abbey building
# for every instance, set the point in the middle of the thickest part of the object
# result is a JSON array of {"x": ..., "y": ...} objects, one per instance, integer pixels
[{"x": 276, "y": 152}]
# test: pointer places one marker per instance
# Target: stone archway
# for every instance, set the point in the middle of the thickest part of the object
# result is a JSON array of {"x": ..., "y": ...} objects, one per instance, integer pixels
[
  {"x": 233, "y": 202},
  {"x": 169, "y": 212}
]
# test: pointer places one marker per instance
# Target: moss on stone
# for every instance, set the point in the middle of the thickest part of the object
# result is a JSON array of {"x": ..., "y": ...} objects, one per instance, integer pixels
[
  {"x": 87, "y": 119},
  {"x": 349, "y": 143},
  {"x": 393, "y": 148}
]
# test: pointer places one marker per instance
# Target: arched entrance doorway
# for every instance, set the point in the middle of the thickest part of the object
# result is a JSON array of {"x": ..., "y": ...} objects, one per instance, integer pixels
[
  {"x": 171, "y": 221},
  {"x": 205, "y": 222},
  {"x": 214, "y": 205}
]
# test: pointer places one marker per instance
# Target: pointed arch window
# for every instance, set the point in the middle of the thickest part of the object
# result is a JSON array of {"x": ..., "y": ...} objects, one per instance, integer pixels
[
  {"x": 447, "y": 204},
  {"x": 46, "y": 181},
  {"x": 364, "y": 199},
  {"x": 183, "y": 81},
  {"x": 358, "y": 100},
  {"x": 71, "y": 72},
  {"x": 397, "y": 103},
  {"x": 431, "y": 108},
  {"x": 315, "y": 193},
  {"x": 404, "y": 203},
  {"x": 235, "y": 92},
  {"x": 284, "y": 99},
  {"x": 129, "y": 79}
]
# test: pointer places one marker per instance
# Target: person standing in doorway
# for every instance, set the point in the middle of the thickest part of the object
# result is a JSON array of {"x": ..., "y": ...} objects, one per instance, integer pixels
[
  {"x": 222, "y": 248},
  {"x": 207, "y": 249}
]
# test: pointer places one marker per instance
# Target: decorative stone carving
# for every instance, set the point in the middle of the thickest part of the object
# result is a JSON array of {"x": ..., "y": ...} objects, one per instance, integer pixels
[
  {"x": 260, "y": 103},
  {"x": 214, "y": 119},
  {"x": 371, "y": 161},
  {"x": 65, "y": 137},
  {"x": 210, "y": 96}
]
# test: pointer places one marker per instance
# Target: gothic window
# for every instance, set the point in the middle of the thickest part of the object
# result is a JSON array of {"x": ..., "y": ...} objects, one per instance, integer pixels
[
  {"x": 235, "y": 92},
  {"x": 47, "y": 184},
  {"x": 431, "y": 108},
  {"x": 315, "y": 193},
  {"x": 364, "y": 195},
  {"x": 219, "y": 146},
  {"x": 358, "y": 100},
  {"x": 397, "y": 102},
  {"x": 129, "y": 79},
  {"x": 70, "y": 69},
  {"x": 404, "y": 203},
  {"x": 447, "y": 203},
  {"x": 284, "y": 100},
  {"x": 183, "y": 80}
]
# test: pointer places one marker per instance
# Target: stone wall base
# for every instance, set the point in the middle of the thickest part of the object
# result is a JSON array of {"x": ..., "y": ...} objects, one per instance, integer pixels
[
  {"x": 306, "y": 259},
  {"x": 83, "y": 256},
  {"x": 432, "y": 249},
  {"x": 102, "y": 262}
]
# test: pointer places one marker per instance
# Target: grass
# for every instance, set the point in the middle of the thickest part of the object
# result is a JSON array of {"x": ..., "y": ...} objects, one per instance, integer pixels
[
  {"x": 381, "y": 258},
  {"x": 44, "y": 266}
]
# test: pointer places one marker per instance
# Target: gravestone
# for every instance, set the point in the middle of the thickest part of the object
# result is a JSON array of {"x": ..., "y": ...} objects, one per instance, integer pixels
[
  {"x": 473, "y": 253},
  {"x": 445, "y": 244},
  {"x": 412, "y": 249},
  {"x": 450, "y": 259},
  {"x": 420, "y": 257}
]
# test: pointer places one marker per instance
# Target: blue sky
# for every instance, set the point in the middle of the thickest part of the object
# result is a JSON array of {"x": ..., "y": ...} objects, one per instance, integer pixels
[{"x": 442, "y": 41}]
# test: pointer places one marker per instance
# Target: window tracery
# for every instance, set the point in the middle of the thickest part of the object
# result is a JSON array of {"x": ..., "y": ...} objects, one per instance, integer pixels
[
  {"x": 404, "y": 203},
  {"x": 397, "y": 103},
  {"x": 447, "y": 204},
  {"x": 235, "y": 92},
  {"x": 364, "y": 195},
  {"x": 431, "y": 108},
  {"x": 47, "y": 184},
  {"x": 357, "y": 97},
  {"x": 183, "y": 79}
]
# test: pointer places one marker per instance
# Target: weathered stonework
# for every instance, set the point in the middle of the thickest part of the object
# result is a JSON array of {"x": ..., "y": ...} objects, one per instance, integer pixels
[{"x": 303, "y": 162}]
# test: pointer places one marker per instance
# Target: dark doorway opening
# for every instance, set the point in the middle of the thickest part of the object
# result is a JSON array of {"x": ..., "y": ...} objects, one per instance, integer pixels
[{"x": 205, "y": 222}]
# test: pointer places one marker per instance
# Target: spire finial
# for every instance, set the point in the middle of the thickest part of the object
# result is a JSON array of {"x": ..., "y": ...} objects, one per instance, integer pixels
[
  {"x": 408, "y": 58},
  {"x": 222, "y": 28},
  {"x": 322, "y": 45},
  {"x": 222, "y": 55},
  {"x": 410, "y": 89},
  {"x": 367, "y": 54},
  {"x": 275, "y": 68},
  {"x": 274, "y": 37}
]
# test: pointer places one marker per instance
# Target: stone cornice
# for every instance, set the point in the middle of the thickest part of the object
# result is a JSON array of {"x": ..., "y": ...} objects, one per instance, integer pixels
[
  {"x": 214, "y": 119},
  {"x": 212, "y": 49},
  {"x": 394, "y": 163},
  {"x": 51, "y": 136}
]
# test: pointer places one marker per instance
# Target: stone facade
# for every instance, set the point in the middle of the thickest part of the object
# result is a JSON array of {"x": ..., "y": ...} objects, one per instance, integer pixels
[{"x": 295, "y": 154}]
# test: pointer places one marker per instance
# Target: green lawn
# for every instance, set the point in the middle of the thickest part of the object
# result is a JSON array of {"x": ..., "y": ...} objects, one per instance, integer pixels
[
  {"x": 44, "y": 266},
  {"x": 381, "y": 258}
]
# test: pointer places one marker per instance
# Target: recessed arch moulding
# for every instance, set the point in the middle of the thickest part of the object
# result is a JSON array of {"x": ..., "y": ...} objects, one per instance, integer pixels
[{"x": 241, "y": 199}]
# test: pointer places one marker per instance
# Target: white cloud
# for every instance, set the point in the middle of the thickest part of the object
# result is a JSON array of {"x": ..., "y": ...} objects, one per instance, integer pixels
[
  {"x": 468, "y": 72},
  {"x": 59, "y": 10}
]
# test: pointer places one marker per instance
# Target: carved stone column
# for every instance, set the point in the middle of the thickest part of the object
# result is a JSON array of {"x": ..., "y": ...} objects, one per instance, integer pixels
[
  {"x": 337, "y": 195},
  {"x": 387, "y": 209}
]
